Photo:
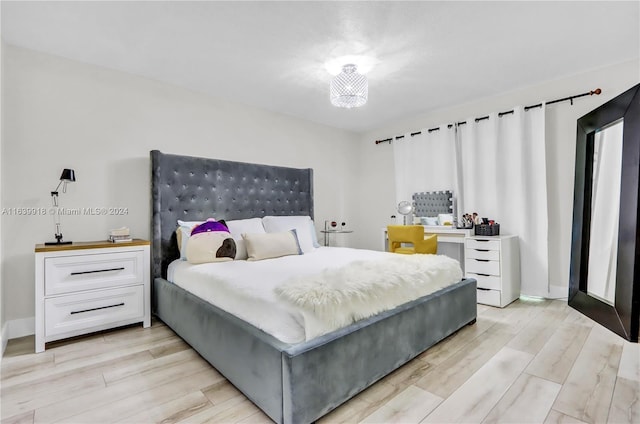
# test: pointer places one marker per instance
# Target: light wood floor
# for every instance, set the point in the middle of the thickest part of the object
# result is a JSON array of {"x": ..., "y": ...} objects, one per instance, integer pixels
[{"x": 534, "y": 361}]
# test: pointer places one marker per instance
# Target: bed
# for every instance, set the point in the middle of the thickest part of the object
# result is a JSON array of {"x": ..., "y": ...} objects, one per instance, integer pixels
[{"x": 291, "y": 383}]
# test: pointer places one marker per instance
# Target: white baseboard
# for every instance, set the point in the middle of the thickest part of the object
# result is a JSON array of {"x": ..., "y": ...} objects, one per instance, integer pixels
[
  {"x": 17, "y": 328},
  {"x": 558, "y": 292},
  {"x": 5, "y": 338},
  {"x": 21, "y": 327}
]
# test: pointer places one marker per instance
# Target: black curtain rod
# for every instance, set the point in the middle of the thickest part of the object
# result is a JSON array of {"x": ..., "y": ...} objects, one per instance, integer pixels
[{"x": 597, "y": 92}]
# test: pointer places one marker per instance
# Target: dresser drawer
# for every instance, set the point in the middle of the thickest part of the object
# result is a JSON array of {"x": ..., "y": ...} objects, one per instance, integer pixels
[
  {"x": 492, "y": 255},
  {"x": 483, "y": 244},
  {"x": 77, "y": 312},
  {"x": 486, "y": 281},
  {"x": 489, "y": 297},
  {"x": 480, "y": 266},
  {"x": 67, "y": 274}
]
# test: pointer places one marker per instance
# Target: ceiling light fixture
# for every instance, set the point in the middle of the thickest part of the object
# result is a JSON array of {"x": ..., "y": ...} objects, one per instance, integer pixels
[{"x": 349, "y": 88}]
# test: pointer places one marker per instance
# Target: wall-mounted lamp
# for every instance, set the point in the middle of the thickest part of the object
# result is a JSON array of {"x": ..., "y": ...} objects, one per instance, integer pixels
[{"x": 68, "y": 176}]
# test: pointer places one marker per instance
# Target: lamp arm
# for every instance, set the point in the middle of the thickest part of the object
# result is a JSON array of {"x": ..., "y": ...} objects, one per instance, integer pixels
[
  {"x": 54, "y": 198},
  {"x": 57, "y": 187},
  {"x": 56, "y": 215}
]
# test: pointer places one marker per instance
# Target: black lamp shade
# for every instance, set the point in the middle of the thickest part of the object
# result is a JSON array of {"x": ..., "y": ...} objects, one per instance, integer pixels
[{"x": 68, "y": 175}]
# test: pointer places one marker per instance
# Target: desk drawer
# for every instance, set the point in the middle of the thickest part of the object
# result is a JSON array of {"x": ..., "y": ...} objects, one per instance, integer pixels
[
  {"x": 489, "y": 297},
  {"x": 486, "y": 281},
  {"x": 491, "y": 255},
  {"x": 68, "y": 274},
  {"x": 483, "y": 244},
  {"x": 481, "y": 266},
  {"x": 83, "y": 311}
]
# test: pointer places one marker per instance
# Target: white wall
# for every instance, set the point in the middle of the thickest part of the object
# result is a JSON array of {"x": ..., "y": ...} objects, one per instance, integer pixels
[
  {"x": 64, "y": 114},
  {"x": 375, "y": 171},
  {"x": 3, "y": 328}
]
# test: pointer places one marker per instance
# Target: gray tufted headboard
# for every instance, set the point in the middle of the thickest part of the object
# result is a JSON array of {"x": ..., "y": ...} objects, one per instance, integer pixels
[{"x": 191, "y": 188}]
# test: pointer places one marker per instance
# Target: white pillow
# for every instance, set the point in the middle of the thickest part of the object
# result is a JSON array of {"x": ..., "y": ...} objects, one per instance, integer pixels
[
  {"x": 278, "y": 224},
  {"x": 271, "y": 245},
  {"x": 244, "y": 226},
  {"x": 314, "y": 235}
]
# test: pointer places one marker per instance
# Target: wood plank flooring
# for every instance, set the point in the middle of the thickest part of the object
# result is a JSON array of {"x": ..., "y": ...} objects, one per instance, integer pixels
[{"x": 536, "y": 361}]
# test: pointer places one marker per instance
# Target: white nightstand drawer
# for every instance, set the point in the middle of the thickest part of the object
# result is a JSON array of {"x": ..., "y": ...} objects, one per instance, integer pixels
[
  {"x": 492, "y": 255},
  {"x": 73, "y": 313},
  {"x": 479, "y": 266},
  {"x": 487, "y": 281},
  {"x": 474, "y": 243},
  {"x": 489, "y": 297},
  {"x": 69, "y": 274}
]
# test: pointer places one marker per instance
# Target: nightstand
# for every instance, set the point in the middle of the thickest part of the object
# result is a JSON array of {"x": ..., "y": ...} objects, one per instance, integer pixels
[
  {"x": 90, "y": 286},
  {"x": 327, "y": 232},
  {"x": 494, "y": 261}
]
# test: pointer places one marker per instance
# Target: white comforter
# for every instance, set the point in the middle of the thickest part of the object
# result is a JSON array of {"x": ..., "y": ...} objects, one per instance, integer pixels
[{"x": 280, "y": 296}]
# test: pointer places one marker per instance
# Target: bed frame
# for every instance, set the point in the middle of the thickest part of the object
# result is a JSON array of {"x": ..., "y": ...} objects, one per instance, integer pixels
[{"x": 291, "y": 383}]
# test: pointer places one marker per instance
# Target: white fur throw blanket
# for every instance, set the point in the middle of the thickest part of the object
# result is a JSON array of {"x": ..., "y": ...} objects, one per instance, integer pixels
[{"x": 338, "y": 297}]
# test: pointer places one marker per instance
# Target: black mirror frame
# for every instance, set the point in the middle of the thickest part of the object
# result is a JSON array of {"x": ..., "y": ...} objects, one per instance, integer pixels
[{"x": 624, "y": 317}]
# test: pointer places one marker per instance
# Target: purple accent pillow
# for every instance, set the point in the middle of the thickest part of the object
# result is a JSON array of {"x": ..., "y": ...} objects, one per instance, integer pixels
[{"x": 210, "y": 225}]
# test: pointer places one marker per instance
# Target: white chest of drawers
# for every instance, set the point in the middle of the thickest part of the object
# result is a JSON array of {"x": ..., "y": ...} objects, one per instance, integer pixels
[
  {"x": 495, "y": 263},
  {"x": 91, "y": 286}
]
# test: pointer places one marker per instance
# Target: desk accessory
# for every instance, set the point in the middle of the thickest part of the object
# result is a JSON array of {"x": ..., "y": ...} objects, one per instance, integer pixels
[
  {"x": 120, "y": 235},
  {"x": 405, "y": 208},
  {"x": 490, "y": 229}
]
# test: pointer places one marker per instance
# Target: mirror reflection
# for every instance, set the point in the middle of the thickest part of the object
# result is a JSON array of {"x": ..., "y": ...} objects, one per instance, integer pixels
[{"x": 605, "y": 209}]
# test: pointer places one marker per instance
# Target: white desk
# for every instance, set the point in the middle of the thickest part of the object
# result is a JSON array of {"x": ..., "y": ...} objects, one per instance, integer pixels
[
  {"x": 450, "y": 240},
  {"x": 446, "y": 234}
]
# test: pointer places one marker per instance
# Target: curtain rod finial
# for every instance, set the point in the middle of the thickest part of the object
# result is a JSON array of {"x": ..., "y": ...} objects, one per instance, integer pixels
[{"x": 597, "y": 91}]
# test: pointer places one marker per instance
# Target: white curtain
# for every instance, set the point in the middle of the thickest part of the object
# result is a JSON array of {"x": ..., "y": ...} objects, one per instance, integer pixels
[
  {"x": 424, "y": 162},
  {"x": 497, "y": 168},
  {"x": 501, "y": 170}
]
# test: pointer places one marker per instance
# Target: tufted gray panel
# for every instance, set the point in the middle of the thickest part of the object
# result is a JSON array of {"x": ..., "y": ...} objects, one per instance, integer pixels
[
  {"x": 432, "y": 203},
  {"x": 192, "y": 188}
]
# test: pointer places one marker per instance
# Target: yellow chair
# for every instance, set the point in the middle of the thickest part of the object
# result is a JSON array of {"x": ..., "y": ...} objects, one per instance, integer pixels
[{"x": 413, "y": 234}]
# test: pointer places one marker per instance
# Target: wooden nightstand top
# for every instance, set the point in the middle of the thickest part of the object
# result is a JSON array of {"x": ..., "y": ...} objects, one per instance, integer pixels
[{"x": 101, "y": 244}]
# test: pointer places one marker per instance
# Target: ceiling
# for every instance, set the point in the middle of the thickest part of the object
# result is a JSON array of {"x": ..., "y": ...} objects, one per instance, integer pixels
[{"x": 272, "y": 55}]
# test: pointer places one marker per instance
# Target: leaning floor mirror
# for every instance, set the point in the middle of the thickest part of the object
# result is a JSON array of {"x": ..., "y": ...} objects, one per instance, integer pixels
[{"x": 604, "y": 283}]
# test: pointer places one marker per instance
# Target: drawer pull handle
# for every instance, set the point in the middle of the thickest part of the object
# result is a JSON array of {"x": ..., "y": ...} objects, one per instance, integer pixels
[
  {"x": 482, "y": 260},
  {"x": 484, "y": 275},
  {"x": 482, "y": 250},
  {"x": 480, "y": 288},
  {"x": 96, "y": 309},
  {"x": 97, "y": 270},
  {"x": 483, "y": 241}
]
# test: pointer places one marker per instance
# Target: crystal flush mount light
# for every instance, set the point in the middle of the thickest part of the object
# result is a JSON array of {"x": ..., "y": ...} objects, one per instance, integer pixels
[{"x": 349, "y": 88}]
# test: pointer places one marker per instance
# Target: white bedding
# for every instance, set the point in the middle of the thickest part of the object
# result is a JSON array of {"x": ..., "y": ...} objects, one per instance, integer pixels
[{"x": 247, "y": 289}]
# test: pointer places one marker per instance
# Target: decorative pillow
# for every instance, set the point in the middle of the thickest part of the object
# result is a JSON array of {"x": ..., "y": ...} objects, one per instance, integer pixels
[
  {"x": 271, "y": 245},
  {"x": 314, "y": 235},
  {"x": 302, "y": 225},
  {"x": 210, "y": 241},
  {"x": 429, "y": 220},
  {"x": 244, "y": 226},
  {"x": 182, "y": 236}
]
